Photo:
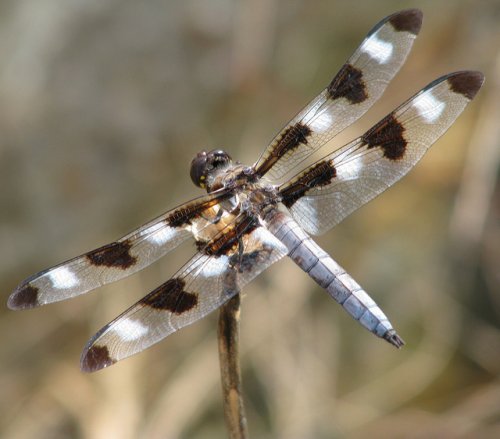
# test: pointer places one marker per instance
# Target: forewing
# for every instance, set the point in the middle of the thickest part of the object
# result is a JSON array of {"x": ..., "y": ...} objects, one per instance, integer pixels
[
  {"x": 208, "y": 280},
  {"x": 117, "y": 260},
  {"x": 335, "y": 186},
  {"x": 360, "y": 82}
]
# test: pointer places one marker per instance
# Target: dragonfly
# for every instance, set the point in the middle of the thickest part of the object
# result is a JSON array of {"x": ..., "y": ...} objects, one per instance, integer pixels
[{"x": 252, "y": 216}]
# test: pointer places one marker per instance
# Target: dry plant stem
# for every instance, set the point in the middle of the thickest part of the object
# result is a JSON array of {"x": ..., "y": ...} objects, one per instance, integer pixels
[{"x": 228, "y": 338}]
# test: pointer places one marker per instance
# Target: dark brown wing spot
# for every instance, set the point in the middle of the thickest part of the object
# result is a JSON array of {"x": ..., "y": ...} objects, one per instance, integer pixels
[
  {"x": 321, "y": 174},
  {"x": 97, "y": 357},
  {"x": 409, "y": 20},
  {"x": 228, "y": 240},
  {"x": 26, "y": 296},
  {"x": 388, "y": 135},
  {"x": 186, "y": 213},
  {"x": 171, "y": 297},
  {"x": 466, "y": 83},
  {"x": 349, "y": 84},
  {"x": 289, "y": 140},
  {"x": 292, "y": 137},
  {"x": 113, "y": 255}
]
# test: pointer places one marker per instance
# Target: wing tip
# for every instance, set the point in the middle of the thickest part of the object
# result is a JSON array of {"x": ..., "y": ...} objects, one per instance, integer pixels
[
  {"x": 466, "y": 83},
  {"x": 95, "y": 357},
  {"x": 408, "y": 20},
  {"x": 25, "y": 296}
]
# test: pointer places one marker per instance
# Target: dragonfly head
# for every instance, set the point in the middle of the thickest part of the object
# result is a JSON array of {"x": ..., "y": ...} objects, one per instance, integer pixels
[{"x": 206, "y": 165}]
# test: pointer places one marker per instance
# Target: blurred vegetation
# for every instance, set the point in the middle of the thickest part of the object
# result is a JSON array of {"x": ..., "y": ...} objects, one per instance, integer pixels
[{"x": 103, "y": 103}]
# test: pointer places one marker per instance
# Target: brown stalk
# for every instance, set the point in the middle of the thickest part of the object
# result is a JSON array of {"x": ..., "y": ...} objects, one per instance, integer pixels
[{"x": 228, "y": 340}]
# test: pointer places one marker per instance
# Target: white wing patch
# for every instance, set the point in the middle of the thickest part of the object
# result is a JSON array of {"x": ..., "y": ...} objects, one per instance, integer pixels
[
  {"x": 62, "y": 278},
  {"x": 350, "y": 169},
  {"x": 429, "y": 107},
  {"x": 129, "y": 330},
  {"x": 215, "y": 266},
  {"x": 267, "y": 238},
  {"x": 161, "y": 234},
  {"x": 379, "y": 50},
  {"x": 321, "y": 122}
]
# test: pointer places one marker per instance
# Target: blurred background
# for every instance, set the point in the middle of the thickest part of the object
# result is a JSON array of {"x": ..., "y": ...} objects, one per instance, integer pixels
[{"x": 103, "y": 103}]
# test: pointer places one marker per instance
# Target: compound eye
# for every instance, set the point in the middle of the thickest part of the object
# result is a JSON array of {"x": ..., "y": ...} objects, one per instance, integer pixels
[
  {"x": 218, "y": 158},
  {"x": 198, "y": 170}
]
